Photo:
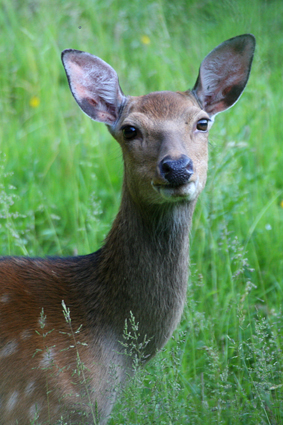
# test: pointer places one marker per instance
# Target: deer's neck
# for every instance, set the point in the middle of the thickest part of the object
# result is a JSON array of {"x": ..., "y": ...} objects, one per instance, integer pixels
[{"x": 145, "y": 259}]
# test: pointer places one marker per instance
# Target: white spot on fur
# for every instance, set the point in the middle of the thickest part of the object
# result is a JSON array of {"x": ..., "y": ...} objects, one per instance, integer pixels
[
  {"x": 33, "y": 411},
  {"x": 9, "y": 348},
  {"x": 26, "y": 334},
  {"x": 29, "y": 388},
  {"x": 5, "y": 298},
  {"x": 12, "y": 401},
  {"x": 47, "y": 358}
]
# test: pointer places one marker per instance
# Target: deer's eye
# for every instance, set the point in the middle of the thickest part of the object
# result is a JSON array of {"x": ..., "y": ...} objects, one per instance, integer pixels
[
  {"x": 129, "y": 132},
  {"x": 202, "y": 125}
]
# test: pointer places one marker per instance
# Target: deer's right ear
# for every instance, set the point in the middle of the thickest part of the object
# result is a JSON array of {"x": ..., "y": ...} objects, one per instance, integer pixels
[{"x": 94, "y": 84}]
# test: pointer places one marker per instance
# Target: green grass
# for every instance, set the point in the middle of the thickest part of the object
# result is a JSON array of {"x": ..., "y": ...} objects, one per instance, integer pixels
[{"x": 60, "y": 179}]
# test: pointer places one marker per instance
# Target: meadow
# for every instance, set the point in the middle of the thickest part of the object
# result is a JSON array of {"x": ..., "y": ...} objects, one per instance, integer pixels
[{"x": 60, "y": 180}]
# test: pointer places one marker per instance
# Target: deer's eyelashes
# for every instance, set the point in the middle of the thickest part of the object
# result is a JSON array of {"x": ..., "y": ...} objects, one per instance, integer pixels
[{"x": 129, "y": 132}]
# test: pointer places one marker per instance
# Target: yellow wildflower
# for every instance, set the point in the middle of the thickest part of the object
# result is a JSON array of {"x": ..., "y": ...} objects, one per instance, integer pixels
[
  {"x": 281, "y": 204},
  {"x": 34, "y": 102},
  {"x": 145, "y": 39}
]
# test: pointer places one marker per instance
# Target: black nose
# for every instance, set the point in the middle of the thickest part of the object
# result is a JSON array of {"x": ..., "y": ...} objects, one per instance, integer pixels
[{"x": 176, "y": 171}]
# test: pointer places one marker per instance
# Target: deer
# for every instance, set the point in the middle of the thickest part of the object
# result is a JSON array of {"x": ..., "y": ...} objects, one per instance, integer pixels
[{"x": 141, "y": 269}]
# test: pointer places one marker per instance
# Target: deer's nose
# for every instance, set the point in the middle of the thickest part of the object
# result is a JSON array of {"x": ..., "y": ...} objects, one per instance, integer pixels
[{"x": 176, "y": 171}]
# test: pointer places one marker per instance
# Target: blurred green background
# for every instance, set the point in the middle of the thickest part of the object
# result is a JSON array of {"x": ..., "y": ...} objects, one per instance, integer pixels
[{"x": 60, "y": 179}]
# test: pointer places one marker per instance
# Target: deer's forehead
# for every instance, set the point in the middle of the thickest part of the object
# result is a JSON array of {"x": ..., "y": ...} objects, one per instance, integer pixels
[{"x": 162, "y": 107}]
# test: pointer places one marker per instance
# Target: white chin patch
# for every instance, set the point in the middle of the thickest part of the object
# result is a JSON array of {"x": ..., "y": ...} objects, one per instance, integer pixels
[{"x": 185, "y": 192}]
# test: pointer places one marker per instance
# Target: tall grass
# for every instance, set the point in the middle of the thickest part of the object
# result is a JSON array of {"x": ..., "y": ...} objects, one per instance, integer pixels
[{"x": 60, "y": 179}]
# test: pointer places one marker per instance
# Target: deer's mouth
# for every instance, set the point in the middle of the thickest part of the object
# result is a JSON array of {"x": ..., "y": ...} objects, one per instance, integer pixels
[{"x": 169, "y": 192}]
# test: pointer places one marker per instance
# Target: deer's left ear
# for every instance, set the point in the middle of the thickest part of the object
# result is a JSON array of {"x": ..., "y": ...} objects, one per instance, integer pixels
[
  {"x": 94, "y": 84},
  {"x": 224, "y": 73}
]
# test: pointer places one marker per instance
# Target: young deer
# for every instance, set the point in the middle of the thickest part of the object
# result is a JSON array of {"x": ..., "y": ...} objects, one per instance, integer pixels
[{"x": 143, "y": 265}]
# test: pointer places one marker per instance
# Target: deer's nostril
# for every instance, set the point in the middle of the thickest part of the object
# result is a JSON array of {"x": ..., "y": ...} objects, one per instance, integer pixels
[
  {"x": 176, "y": 171},
  {"x": 189, "y": 166},
  {"x": 166, "y": 168}
]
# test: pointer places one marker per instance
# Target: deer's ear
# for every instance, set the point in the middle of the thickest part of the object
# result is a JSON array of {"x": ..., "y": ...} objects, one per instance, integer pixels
[
  {"x": 94, "y": 84},
  {"x": 224, "y": 73}
]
